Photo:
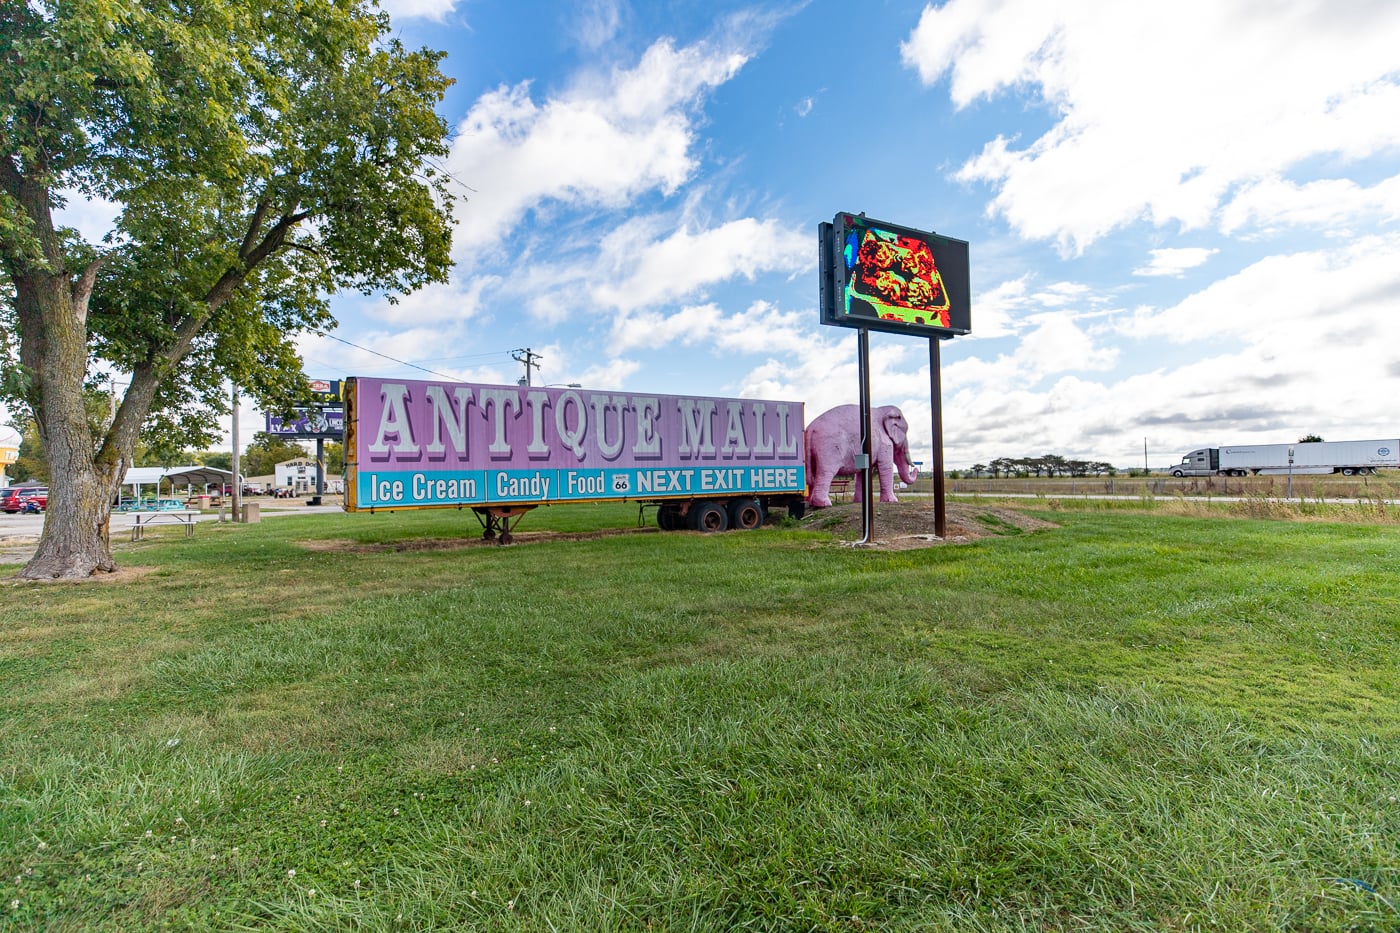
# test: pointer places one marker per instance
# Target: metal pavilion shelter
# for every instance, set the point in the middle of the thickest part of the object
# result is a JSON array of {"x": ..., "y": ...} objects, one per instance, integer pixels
[{"x": 188, "y": 476}]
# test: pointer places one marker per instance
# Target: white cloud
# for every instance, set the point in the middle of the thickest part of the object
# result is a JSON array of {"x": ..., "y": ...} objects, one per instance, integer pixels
[
  {"x": 612, "y": 374},
  {"x": 426, "y": 352},
  {"x": 1291, "y": 344},
  {"x": 1329, "y": 203},
  {"x": 647, "y": 272},
  {"x": 446, "y": 303},
  {"x": 652, "y": 260},
  {"x": 1174, "y": 262},
  {"x": 1009, "y": 308},
  {"x": 761, "y": 328},
  {"x": 1162, "y": 110},
  {"x": 436, "y": 10},
  {"x": 597, "y": 22},
  {"x": 1055, "y": 343},
  {"x": 804, "y": 106},
  {"x": 1305, "y": 298},
  {"x": 597, "y": 145}
]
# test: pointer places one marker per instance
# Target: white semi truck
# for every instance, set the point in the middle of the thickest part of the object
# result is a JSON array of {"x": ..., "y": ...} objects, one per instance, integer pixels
[{"x": 1349, "y": 457}]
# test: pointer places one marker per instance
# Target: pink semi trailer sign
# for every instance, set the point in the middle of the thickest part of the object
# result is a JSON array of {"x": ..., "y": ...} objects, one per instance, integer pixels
[{"x": 705, "y": 463}]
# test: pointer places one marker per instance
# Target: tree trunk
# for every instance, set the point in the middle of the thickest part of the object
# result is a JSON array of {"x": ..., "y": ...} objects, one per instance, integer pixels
[
  {"x": 75, "y": 543},
  {"x": 52, "y": 316}
]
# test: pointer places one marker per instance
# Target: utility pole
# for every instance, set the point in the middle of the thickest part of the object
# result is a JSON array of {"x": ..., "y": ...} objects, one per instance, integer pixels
[
  {"x": 237, "y": 491},
  {"x": 530, "y": 359}
]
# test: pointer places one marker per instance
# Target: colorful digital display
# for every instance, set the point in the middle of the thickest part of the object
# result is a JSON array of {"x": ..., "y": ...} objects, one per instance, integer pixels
[{"x": 892, "y": 278}]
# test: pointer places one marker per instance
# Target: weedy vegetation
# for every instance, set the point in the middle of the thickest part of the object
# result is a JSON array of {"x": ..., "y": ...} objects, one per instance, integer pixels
[{"x": 1137, "y": 720}]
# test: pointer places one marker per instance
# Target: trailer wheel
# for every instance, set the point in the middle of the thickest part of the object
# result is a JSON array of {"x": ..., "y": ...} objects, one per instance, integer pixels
[
  {"x": 708, "y": 516},
  {"x": 669, "y": 518},
  {"x": 745, "y": 514},
  {"x": 1348, "y": 471}
]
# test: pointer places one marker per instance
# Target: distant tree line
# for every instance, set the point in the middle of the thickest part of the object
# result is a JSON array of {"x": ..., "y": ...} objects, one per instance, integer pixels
[
  {"x": 259, "y": 458},
  {"x": 1043, "y": 465}
]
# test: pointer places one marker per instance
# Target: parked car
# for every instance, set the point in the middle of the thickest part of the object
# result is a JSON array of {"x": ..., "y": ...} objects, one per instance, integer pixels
[{"x": 12, "y": 498}]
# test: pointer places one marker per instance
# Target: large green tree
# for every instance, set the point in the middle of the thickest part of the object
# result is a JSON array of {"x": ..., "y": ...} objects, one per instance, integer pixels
[{"x": 260, "y": 155}]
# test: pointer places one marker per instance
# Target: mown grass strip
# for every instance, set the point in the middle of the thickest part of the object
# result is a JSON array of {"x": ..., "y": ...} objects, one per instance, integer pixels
[{"x": 1131, "y": 722}]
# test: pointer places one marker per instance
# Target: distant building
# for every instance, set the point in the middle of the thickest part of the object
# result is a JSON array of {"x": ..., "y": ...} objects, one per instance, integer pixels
[{"x": 299, "y": 477}]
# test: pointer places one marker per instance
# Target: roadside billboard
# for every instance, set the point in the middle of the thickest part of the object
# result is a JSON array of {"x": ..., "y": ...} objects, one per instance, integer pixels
[
  {"x": 891, "y": 278},
  {"x": 422, "y": 444},
  {"x": 326, "y": 423}
]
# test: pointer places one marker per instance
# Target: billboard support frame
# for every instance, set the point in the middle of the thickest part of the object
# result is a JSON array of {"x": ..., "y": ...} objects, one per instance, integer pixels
[
  {"x": 867, "y": 440},
  {"x": 835, "y": 304},
  {"x": 935, "y": 390}
]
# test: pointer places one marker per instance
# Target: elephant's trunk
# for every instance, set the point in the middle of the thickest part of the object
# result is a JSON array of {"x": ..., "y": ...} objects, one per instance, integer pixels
[{"x": 907, "y": 471}]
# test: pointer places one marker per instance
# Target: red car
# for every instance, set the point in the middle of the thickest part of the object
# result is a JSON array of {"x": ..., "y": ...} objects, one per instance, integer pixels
[{"x": 13, "y": 498}]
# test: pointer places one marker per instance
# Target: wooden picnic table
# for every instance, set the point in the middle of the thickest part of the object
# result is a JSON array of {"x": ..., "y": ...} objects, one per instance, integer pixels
[{"x": 184, "y": 517}]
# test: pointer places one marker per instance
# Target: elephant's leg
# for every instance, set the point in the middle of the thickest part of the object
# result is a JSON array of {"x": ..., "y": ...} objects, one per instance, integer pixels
[
  {"x": 821, "y": 487},
  {"x": 887, "y": 481}
]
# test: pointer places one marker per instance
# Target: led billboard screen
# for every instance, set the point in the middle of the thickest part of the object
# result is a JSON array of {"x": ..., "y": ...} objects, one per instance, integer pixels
[{"x": 892, "y": 278}]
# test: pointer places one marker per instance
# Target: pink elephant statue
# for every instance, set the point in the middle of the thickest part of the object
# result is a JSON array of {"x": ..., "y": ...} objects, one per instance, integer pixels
[{"x": 833, "y": 440}]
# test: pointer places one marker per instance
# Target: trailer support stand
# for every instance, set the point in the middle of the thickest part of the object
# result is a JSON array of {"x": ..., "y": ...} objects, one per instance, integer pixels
[{"x": 496, "y": 521}]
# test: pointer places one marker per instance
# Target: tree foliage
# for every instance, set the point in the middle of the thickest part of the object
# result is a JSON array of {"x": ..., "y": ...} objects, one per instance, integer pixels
[
  {"x": 30, "y": 463},
  {"x": 1046, "y": 465},
  {"x": 266, "y": 451},
  {"x": 259, "y": 155}
]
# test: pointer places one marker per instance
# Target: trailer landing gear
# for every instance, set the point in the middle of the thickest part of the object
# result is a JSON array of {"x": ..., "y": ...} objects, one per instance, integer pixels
[{"x": 496, "y": 521}]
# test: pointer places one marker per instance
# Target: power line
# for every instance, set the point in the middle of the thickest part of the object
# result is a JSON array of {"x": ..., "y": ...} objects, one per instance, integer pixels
[
  {"x": 388, "y": 357},
  {"x": 529, "y": 358}
]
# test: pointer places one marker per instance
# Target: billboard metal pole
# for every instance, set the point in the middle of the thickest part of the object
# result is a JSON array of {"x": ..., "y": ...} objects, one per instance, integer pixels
[
  {"x": 867, "y": 506},
  {"x": 935, "y": 388},
  {"x": 320, "y": 470}
]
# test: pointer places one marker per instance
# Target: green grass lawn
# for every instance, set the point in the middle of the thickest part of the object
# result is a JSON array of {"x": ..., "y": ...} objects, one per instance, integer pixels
[{"x": 1133, "y": 721}]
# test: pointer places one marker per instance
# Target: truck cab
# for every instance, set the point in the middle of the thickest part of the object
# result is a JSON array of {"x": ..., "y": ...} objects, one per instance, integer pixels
[{"x": 1203, "y": 462}]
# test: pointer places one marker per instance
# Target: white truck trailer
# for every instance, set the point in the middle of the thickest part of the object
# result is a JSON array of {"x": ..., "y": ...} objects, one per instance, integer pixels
[{"x": 1349, "y": 457}]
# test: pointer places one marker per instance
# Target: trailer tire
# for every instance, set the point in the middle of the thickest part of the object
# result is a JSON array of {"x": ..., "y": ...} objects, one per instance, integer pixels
[
  {"x": 669, "y": 518},
  {"x": 1348, "y": 471},
  {"x": 745, "y": 514},
  {"x": 708, "y": 516}
]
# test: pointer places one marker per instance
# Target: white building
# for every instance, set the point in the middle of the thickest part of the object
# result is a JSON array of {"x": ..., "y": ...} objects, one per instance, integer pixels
[{"x": 299, "y": 476}]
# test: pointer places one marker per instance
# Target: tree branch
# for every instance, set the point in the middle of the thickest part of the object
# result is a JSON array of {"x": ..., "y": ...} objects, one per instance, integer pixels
[
  {"x": 254, "y": 225},
  {"x": 82, "y": 286}
]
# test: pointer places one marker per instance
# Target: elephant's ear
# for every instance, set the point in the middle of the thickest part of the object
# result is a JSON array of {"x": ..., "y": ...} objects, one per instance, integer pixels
[{"x": 895, "y": 425}]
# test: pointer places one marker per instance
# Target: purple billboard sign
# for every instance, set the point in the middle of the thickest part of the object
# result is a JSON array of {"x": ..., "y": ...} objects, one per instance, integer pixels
[
  {"x": 417, "y": 443},
  {"x": 309, "y": 422}
]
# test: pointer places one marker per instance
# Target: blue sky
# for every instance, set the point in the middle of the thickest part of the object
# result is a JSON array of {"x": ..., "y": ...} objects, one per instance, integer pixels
[{"x": 1182, "y": 217}]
